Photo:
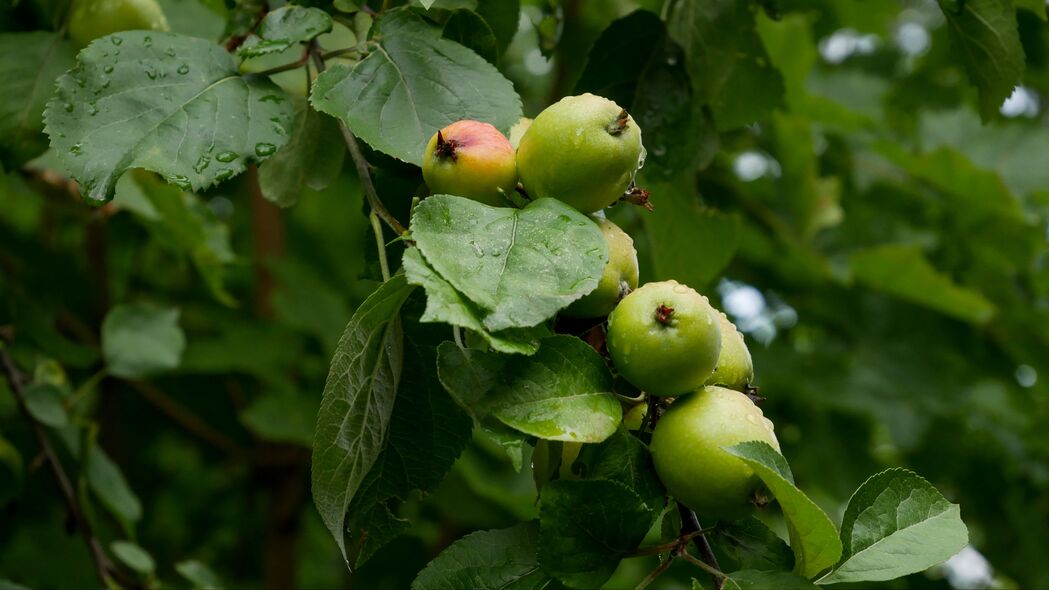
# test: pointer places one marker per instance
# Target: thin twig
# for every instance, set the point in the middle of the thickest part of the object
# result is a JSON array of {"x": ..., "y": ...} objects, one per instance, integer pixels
[
  {"x": 666, "y": 547},
  {"x": 715, "y": 573},
  {"x": 662, "y": 567},
  {"x": 360, "y": 162},
  {"x": 187, "y": 419},
  {"x": 689, "y": 524},
  {"x": 380, "y": 245},
  {"x": 103, "y": 567}
]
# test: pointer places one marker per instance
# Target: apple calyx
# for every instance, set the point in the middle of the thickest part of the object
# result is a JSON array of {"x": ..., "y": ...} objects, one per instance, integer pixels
[
  {"x": 446, "y": 148},
  {"x": 620, "y": 123},
  {"x": 636, "y": 195},
  {"x": 663, "y": 314}
]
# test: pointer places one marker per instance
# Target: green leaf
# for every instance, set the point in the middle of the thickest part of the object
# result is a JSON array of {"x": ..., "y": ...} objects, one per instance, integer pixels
[
  {"x": 133, "y": 556},
  {"x": 424, "y": 417},
  {"x": 902, "y": 271},
  {"x": 284, "y": 28},
  {"x": 44, "y": 402},
  {"x": 586, "y": 527},
  {"x": 520, "y": 265},
  {"x": 468, "y": 29},
  {"x": 445, "y": 304},
  {"x": 1035, "y": 7},
  {"x": 312, "y": 158},
  {"x": 751, "y": 544},
  {"x": 984, "y": 33},
  {"x": 29, "y": 65},
  {"x": 105, "y": 479},
  {"x": 167, "y": 103},
  {"x": 624, "y": 459},
  {"x": 896, "y": 524},
  {"x": 679, "y": 229},
  {"x": 727, "y": 60},
  {"x": 504, "y": 558},
  {"x": 9, "y": 585},
  {"x": 562, "y": 392},
  {"x": 282, "y": 416},
  {"x": 761, "y": 580},
  {"x": 413, "y": 83},
  {"x": 199, "y": 574},
  {"x": 358, "y": 400},
  {"x": 12, "y": 472},
  {"x": 812, "y": 535},
  {"x": 140, "y": 339}
]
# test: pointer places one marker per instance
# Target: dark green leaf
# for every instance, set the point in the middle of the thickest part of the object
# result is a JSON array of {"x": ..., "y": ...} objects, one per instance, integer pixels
[
  {"x": 284, "y": 28},
  {"x": 752, "y": 545},
  {"x": 105, "y": 479},
  {"x": 282, "y": 416},
  {"x": 358, "y": 399},
  {"x": 903, "y": 271},
  {"x": 312, "y": 158},
  {"x": 623, "y": 458},
  {"x": 759, "y": 580},
  {"x": 163, "y": 102},
  {"x": 139, "y": 339},
  {"x": 812, "y": 535},
  {"x": 199, "y": 574},
  {"x": 505, "y": 559},
  {"x": 29, "y": 65},
  {"x": 412, "y": 84},
  {"x": 11, "y": 471},
  {"x": 520, "y": 265},
  {"x": 586, "y": 527},
  {"x": 896, "y": 524},
  {"x": 468, "y": 29},
  {"x": 727, "y": 60},
  {"x": 44, "y": 402},
  {"x": 133, "y": 556},
  {"x": 984, "y": 34}
]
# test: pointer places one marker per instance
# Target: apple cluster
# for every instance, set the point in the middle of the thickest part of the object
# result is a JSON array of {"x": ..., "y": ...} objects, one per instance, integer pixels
[{"x": 663, "y": 337}]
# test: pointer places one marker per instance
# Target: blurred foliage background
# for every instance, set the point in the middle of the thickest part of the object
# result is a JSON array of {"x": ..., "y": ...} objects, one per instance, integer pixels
[{"x": 885, "y": 248}]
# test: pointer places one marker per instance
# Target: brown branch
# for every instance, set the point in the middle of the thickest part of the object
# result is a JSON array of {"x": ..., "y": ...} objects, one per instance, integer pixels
[
  {"x": 104, "y": 568},
  {"x": 690, "y": 524},
  {"x": 360, "y": 162},
  {"x": 662, "y": 567}
]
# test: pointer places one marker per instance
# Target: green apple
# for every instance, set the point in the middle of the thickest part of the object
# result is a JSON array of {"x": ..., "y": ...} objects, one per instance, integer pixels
[
  {"x": 91, "y": 19},
  {"x": 553, "y": 460},
  {"x": 634, "y": 418},
  {"x": 471, "y": 159},
  {"x": 583, "y": 150},
  {"x": 688, "y": 456},
  {"x": 664, "y": 338},
  {"x": 735, "y": 368},
  {"x": 618, "y": 279}
]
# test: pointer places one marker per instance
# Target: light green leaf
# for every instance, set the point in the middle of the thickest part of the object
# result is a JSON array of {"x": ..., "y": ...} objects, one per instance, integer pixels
[
  {"x": 140, "y": 339},
  {"x": 984, "y": 34},
  {"x": 167, "y": 103},
  {"x": 44, "y": 402},
  {"x": 282, "y": 416},
  {"x": 358, "y": 400},
  {"x": 504, "y": 558},
  {"x": 200, "y": 575},
  {"x": 445, "y": 304},
  {"x": 133, "y": 556},
  {"x": 760, "y": 580},
  {"x": 312, "y": 158},
  {"x": 520, "y": 265},
  {"x": 812, "y": 535},
  {"x": 29, "y": 65},
  {"x": 587, "y": 526},
  {"x": 285, "y": 27},
  {"x": 896, "y": 524},
  {"x": 902, "y": 271},
  {"x": 413, "y": 83},
  {"x": 622, "y": 458},
  {"x": 105, "y": 479},
  {"x": 727, "y": 60}
]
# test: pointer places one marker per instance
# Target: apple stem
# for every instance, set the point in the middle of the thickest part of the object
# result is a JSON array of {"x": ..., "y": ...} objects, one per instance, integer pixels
[
  {"x": 638, "y": 196},
  {"x": 620, "y": 124},
  {"x": 663, "y": 314}
]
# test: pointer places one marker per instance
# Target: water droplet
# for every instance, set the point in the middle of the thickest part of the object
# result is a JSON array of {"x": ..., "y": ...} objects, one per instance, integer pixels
[
  {"x": 183, "y": 69},
  {"x": 151, "y": 73},
  {"x": 69, "y": 107},
  {"x": 148, "y": 41},
  {"x": 116, "y": 40},
  {"x": 81, "y": 82},
  {"x": 564, "y": 218},
  {"x": 75, "y": 150},
  {"x": 265, "y": 149},
  {"x": 226, "y": 157},
  {"x": 671, "y": 61},
  {"x": 202, "y": 162},
  {"x": 180, "y": 181},
  {"x": 659, "y": 150},
  {"x": 224, "y": 174},
  {"x": 272, "y": 98},
  {"x": 752, "y": 419},
  {"x": 108, "y": 69},
  {"x": 170, "y": 52},
  {"x": 92, "y": 109}
]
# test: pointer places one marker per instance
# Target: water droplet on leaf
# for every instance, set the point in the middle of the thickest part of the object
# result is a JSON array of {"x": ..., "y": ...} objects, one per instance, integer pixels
[
  {"x": 183, "y": 69},
  {"x": 116, "y": 40},
  {"x": 226, "y": 157},
  {"x": 265, "y": 149},
  {"x": 224, "y": 174},
  {"x": 202, "y": 163}
]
